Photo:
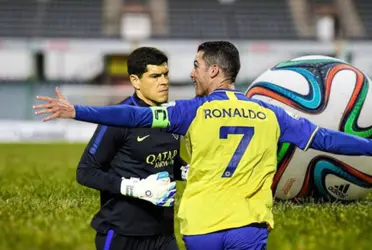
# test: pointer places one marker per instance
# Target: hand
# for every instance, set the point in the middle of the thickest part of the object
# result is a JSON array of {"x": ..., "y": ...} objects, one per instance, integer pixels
[
  {"x": 185, "y": 172},
  {"x": 59, "y": 107},
  {"x": 157, "y": 189}
]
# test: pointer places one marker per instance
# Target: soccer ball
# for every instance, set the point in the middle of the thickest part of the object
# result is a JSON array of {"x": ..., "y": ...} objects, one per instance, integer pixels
[{"x": 332, "y": 94}]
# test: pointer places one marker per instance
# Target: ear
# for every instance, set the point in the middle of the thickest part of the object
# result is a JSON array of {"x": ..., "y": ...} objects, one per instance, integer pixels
[
  {"x": 135, "y": 81},
  {"x": 214, "y": 70}
]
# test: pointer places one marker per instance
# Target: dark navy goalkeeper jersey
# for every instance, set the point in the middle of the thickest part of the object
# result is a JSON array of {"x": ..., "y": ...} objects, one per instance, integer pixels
[{"x": 113, "y": 153}]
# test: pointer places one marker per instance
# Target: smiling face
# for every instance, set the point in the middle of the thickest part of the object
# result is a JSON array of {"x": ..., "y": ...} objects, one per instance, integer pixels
[
  {"x": 200, "y": 75},
  {"x": 152, "y": 86}
]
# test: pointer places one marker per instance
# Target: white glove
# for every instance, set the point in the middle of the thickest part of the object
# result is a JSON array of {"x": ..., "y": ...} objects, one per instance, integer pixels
[
  {"x": 185, "y": 172},
  {"x": 157, "y": 189}
]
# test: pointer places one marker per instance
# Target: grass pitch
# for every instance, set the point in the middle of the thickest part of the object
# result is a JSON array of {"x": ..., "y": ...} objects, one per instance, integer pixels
[{"x": 42, "y": 207}]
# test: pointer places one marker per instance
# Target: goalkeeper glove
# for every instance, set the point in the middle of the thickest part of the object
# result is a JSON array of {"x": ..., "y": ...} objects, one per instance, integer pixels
[
  {"x": 156, "y": 188},
  {"x": 185, "y": 172}
]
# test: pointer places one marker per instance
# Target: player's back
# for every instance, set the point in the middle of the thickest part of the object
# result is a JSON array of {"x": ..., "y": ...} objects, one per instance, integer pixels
[{"x": 234, "y": 142}]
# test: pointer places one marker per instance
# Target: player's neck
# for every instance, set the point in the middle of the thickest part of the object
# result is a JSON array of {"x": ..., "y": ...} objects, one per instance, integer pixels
[{"x": 223, "y": 84}]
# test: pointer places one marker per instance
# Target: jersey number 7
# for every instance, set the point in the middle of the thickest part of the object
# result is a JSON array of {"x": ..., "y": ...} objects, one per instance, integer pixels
[{"x": 247, "y": 133}]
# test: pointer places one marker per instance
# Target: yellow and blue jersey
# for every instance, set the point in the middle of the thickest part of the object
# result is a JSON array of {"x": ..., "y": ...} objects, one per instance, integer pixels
[{"x": 233, "y": 143}]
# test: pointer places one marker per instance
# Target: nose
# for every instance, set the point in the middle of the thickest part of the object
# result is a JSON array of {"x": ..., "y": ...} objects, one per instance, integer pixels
[
  {"x": 192, "y": 75},
  {"x": 164, "y": 80}
]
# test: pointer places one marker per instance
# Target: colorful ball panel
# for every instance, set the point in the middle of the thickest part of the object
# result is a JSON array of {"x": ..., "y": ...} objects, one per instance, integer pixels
[{"x": 332, "y": 94}]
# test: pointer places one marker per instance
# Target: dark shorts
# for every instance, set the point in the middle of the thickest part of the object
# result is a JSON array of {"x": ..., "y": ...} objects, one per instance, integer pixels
[
  {"x": 113, "y": 241},
  {"x": 243, "y": 238}
]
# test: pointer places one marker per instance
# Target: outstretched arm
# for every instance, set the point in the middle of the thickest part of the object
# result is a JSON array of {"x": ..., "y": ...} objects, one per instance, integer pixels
[
  {"x": 340, "y": 143},
  {"x": 175, "y": 117},
  {"x": 117, "y": 115},
  {"x": 304, "y": 134},
  {"x": 123, "y": 116}
]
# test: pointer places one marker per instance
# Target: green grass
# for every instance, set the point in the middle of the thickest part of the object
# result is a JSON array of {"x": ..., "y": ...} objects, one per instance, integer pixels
[{"x": 42, "y": 207}]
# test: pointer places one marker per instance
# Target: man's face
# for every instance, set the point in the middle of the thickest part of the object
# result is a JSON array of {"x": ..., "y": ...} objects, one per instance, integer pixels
[
  {"x": 200, "y": 75},
  {"x": 154, "y": 83}
]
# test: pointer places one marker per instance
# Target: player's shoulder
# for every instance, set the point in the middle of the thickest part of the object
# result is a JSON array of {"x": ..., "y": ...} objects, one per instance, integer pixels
[
  {"x": 263, "y": 104},
  {"x": 112, "y": 131},
  {"x": 260, "y": 103},
  {"x": 126, "y": 101},
  {"x": 279, "y": 112},
  {"x": 189, "y": 103}
]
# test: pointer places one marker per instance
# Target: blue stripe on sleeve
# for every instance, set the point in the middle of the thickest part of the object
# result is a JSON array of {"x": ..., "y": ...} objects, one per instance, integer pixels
[
  {"x": 102, "y": 131},
  {"x": 97, "y": 140},
  {"x": 110, "y": 235}
]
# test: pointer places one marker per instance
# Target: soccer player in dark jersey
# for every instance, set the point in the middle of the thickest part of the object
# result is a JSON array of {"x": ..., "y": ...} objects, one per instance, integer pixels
[{"x": 126, "y": 220}]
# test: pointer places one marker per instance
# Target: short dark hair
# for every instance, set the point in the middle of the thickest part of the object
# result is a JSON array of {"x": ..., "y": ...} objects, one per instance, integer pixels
[
  {"x": 224, "y": 54},
  {"x": 143, "y": 56}
]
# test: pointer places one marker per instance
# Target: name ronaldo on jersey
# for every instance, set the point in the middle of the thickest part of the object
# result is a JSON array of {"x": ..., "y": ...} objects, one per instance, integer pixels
[{"x": 234, "y": 112}]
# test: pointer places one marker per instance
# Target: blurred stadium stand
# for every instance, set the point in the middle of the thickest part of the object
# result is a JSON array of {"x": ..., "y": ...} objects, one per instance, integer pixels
[
  {"x": 82, "y": 45},
  {"x": 51, "y": 18},
  {"x": 364, "y": 8},
  {"x": 210, "y": 19},
  {"x": 176, "y": 19},
  {"x": 207, "y": 19}
]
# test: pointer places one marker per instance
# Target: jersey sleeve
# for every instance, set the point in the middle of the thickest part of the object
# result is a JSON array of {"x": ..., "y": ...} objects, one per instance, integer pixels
[
  {"x": 92, "y": 170},
  {"x": 181, "y": 113},
  {"x": 175, "y": 116},
  {"x": 293, "y": 129},
  {"x": 337, "y": 142},
  {"x": 116, "y": 115}
]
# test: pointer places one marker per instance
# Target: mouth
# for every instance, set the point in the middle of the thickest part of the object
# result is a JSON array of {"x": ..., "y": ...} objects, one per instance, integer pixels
[{"x": 164, "y": 91}]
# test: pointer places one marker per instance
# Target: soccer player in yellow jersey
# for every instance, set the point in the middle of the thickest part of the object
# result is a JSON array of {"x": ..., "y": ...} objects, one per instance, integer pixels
[{"x": 227, "y": 203}]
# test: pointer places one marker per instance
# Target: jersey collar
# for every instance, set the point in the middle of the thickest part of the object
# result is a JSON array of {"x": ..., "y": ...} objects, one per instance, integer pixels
[{"x": 138, "y": 102}]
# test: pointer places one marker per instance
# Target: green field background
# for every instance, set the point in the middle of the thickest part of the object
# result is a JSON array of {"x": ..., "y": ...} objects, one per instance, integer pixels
[{"x": 42, "y": 207}]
